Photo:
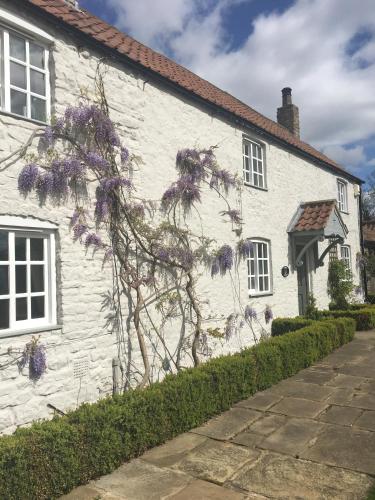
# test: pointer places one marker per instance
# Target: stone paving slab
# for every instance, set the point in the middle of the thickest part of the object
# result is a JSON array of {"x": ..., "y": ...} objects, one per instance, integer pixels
[
  {"x": 347, "y": 447},
  {"x": 341, "y": 415},
  {"x": 228, "y": 424},
  {"x": 309, "y": 437},
  {"x": 366, "y": 420},
  {"x": 261, "y": 401},
  {"x": 174, "y": 450},
  {"x": 215, "y": 461},
  {"x": 287, "y": 478},
  {"x": 298, "y": 407},
  {"x": 293, "y": 437},
  {"x": 301, "y": 389}
]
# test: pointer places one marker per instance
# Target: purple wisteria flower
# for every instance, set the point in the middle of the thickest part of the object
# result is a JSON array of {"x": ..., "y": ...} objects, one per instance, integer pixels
[
  {"x": 34, "y": 353},
  {"x": 225, "y": 258},
  {"x": 223, "y": 179},
  {"x": 37, "y": 361},
  {"x": 124, "y": 154},
  {"x": 185, "y": 190},
  {"x": 111, "y": 183},
  {"x": 93, "y": 239},
  {"x": 250, "y": 313},
  {"x": 95, "y": 160},
  {"x": 244, "y": 247},
  {"x": 48, "y": 135},
  {"x": 234, "y": 215},
  {"x": 45, "y": 184},
  {"x": 28, "y": 178},
  {"x": 188, "y": 162},
  {"x": 268, "y": 314},
  {"x": 79, "y": 230}
]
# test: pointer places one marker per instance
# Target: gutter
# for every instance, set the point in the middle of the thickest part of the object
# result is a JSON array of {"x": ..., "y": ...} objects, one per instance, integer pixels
[{"x": 217, "y": 110}]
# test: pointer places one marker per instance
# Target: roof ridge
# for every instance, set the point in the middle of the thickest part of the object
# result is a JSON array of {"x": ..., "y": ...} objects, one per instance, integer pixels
[{"x": 179, "y": 75}]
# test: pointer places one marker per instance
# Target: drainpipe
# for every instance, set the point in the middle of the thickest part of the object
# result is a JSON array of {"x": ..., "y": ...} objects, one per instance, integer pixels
[{"x": 364, "y": 275}]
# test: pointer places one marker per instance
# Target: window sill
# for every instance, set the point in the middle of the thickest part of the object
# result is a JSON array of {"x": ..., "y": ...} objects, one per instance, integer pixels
[
  {"x": 255, "y": 187},
  {"x": 255, "y": 295},
  {"x": 23, "y": 118},
  {"x": 29, "y": 331}
]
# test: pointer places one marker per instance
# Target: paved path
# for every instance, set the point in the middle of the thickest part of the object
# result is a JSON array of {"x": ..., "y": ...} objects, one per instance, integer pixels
[{"x": 309, "y": 437}]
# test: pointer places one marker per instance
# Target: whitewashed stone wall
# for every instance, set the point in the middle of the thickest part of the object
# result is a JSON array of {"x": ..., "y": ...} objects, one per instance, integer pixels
[{"x": 155, "y": 122}]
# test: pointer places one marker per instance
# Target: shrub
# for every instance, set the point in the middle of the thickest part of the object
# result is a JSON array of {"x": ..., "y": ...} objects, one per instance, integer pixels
[
  {"x": 364, "y": 318},
  {"x": 285, "y": 325},
  {"x": 311, "y": 309},
  {"x": 340, "y": 284},
  {"x": 50, "y": 458},
  {"x": 371, "y": 298}
]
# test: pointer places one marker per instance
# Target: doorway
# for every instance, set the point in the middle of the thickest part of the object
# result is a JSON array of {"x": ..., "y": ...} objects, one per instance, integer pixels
[{"x": 302, "y": 281}]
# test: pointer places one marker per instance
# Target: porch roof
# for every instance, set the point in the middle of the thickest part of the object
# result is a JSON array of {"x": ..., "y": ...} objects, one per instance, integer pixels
[{"x": 318, "y": 217}]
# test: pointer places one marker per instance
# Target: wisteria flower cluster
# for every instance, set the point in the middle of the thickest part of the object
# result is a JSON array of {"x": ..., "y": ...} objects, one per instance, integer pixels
[
  {"x": 223, "y": 261},
  {"x": 34, "y": 354},
  {"x": 250, "y": 313},
  {"x": 268, "y": 314}
]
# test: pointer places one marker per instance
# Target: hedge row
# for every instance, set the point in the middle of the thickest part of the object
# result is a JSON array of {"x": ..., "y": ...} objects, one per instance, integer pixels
[
  {"x": 286, "y": 325},
  {"x": 364, "y": 318},
  {"x": 51, "y": 458}
]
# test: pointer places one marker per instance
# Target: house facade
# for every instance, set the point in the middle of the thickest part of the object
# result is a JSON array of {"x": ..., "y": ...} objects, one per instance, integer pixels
[{"x": 297, "y": 206}]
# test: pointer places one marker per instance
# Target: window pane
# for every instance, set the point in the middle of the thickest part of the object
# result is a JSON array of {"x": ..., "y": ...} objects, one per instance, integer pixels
[
  {"x": 4, "y": 280},
  {"x": 38, "y": 109},
  {"x": 37, "y": 82},
  {"x": 17, "y": 47},
  {"x": 36, "y": 248},
  {"x": 37, "y": 278},
  {"x": 266, "y": 284},
  {"x": 246, "y": 149},
  {"x": 260, "y": 266},
  {"x": 37, "y": 307},
  {"x": 261, "y": 286},
  {"x": 4, "y": 314},
  {"x": 256, "y": 182},
  {"x": 4, "y": 252},
  {"x": 21, "y": 309},
  {"x": 21, "y": 279},
  {"x": 20, "y": 248},
  {"x": 252, "y": 283},
  {"x": 36, "y": 55},
  {"x": 266, "y": 267},
  {"x": 18, "y": 103},
  {"x": 260, "y": 250},
  {"x": 18, "y": 75}
]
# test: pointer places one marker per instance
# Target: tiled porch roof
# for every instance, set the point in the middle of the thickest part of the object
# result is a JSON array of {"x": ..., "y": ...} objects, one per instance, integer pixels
[{"x": 314, "y": 215}]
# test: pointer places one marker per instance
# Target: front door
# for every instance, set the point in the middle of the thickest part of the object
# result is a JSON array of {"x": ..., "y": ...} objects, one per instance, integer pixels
[{"x": 303, "y": 281}]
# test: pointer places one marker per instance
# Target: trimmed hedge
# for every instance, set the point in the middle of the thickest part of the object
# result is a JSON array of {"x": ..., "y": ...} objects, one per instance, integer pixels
[
  {"x": 51, "y": 458},
  {"x": 285, "y": 325},
  {"x": 364, "y": 318}
]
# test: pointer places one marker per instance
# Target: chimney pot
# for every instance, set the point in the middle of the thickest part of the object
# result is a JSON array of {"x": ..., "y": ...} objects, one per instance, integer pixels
[{"x": 288, "y": 114}]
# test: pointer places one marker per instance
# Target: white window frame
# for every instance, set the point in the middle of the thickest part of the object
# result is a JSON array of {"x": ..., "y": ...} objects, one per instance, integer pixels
[
  {"x": 342, "y": 195},
  {"x": 254, "y": 171},
  {"x": 16, "y": 226},
  {"x": 10, "y": 23},
  {"x": 346, "y": 257},
  {"x": 257, "y": 275}
]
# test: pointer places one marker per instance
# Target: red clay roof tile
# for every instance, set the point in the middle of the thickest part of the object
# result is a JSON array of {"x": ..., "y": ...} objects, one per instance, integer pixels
[
  {"x": 314, "y": 215},
  {"x": 102, "y": 32}
]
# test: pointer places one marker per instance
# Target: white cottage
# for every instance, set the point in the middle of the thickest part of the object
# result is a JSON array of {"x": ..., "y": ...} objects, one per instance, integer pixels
[{"x": 297, "y": 205}]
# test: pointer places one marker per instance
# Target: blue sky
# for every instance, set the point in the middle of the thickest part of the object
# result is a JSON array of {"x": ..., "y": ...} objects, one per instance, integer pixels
[{"x": 323, "y": 49}]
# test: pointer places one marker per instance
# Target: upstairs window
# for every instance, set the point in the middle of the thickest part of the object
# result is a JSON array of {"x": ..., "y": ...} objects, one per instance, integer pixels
[
  {"x": 259, "y": 268},
  {"x": 342, "y": 196},
  {"x": 24, "y": 76},
  {"x": 253, "y": 164},
  {"x": 27, "y": 279}
]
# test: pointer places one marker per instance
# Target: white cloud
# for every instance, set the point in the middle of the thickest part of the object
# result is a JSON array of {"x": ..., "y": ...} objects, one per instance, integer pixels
[
  {"x": 352, "y": 157},
  {"x": 304, "y": 47}
]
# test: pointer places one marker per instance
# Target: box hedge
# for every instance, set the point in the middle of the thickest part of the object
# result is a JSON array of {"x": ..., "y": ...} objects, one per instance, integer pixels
[
  {"x": 52, "y": 457},
  {"x": 285, "y": 325},
  {"x": 364, "y": 318}
]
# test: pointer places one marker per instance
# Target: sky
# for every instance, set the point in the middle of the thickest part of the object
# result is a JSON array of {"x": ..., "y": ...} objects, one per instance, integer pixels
[{"x": 323, "y": 49}]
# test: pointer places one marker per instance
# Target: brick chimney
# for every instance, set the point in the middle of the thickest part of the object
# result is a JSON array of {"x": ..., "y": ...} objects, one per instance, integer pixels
[{"x": 288, "y": 114}]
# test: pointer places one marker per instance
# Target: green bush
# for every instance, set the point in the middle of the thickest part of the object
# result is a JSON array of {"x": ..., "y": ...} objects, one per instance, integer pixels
[
  {"x": 51, "y": 458},
  {"x": 371, "y": 298},
  {"x": 364, "y": 318},
  {"x": 285, "y": 325}
]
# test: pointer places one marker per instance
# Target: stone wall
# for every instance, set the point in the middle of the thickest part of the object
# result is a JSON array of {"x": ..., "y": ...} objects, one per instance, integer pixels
[{"x": 154, "y": 122}]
